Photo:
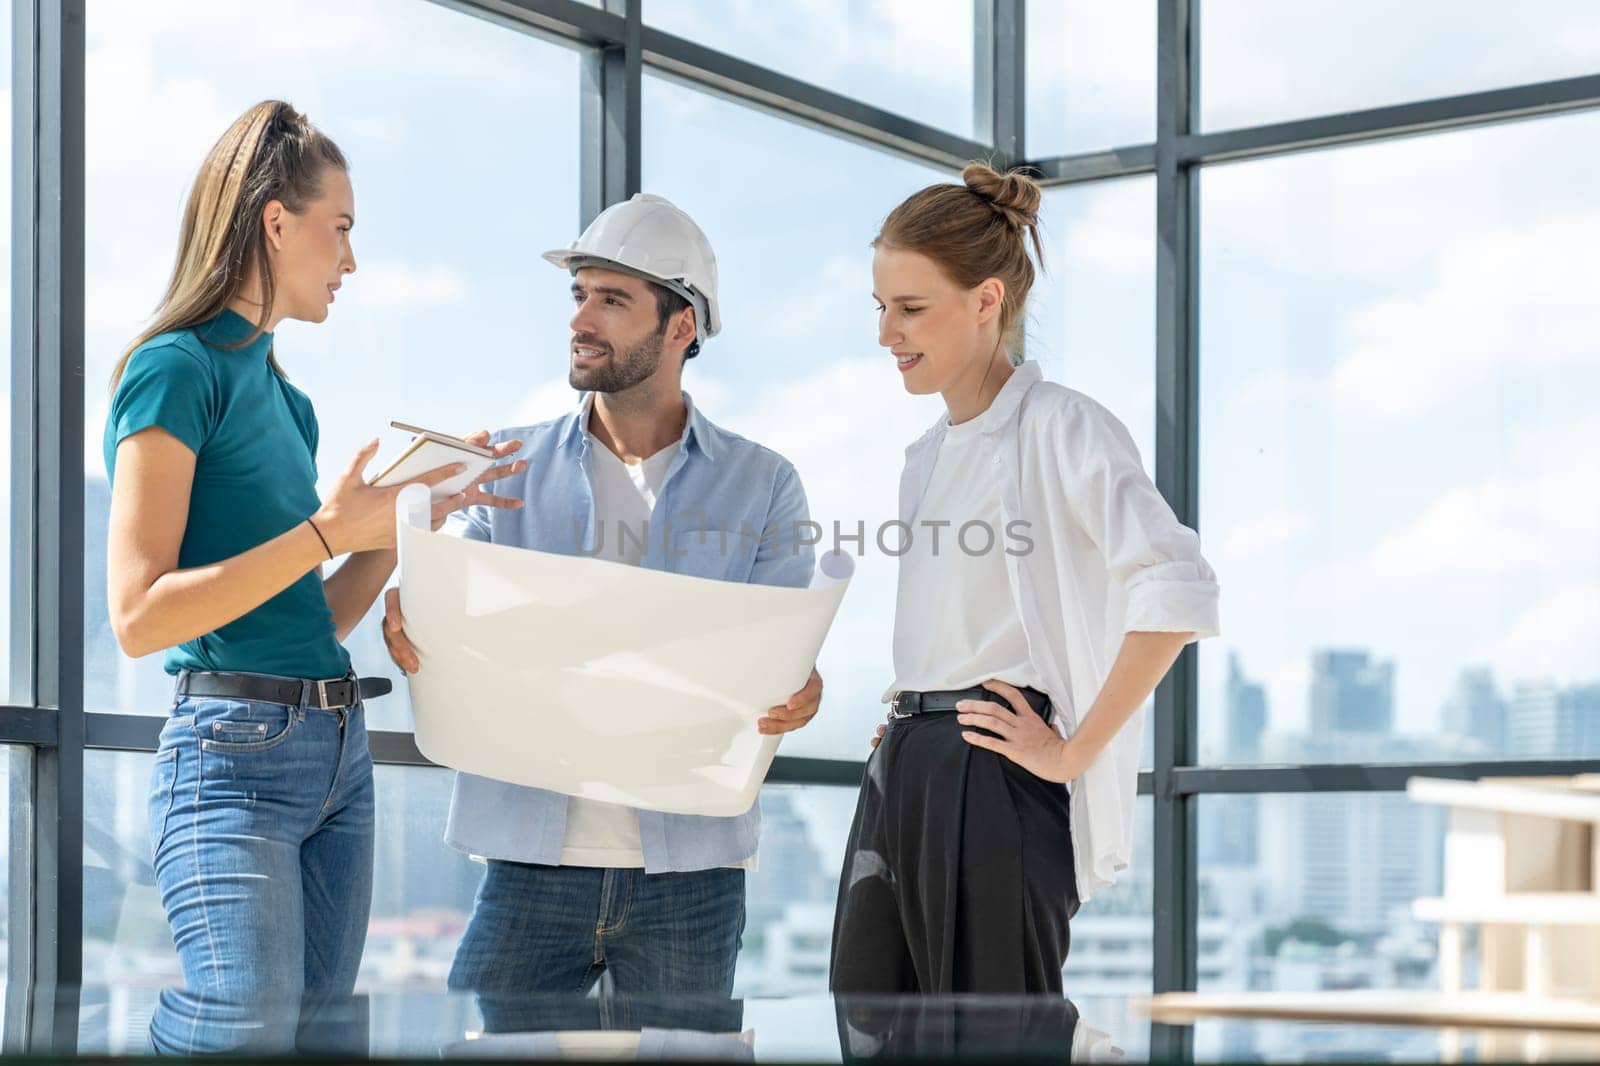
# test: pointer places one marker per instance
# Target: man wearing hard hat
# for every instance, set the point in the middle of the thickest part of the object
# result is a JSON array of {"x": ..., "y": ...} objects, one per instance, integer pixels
[{"x": 575, "y": 887}]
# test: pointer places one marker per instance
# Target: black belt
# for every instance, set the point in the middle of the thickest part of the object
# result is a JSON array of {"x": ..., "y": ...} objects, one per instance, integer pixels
[
  {"x": 907, "y": 703},
  {"x": 296, "y": 692}
]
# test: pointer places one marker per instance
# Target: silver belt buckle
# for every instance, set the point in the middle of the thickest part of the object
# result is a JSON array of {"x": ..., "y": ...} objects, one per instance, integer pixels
[
  {"x": 894, "y": 708},
  {"x": 322, "y": 694}
]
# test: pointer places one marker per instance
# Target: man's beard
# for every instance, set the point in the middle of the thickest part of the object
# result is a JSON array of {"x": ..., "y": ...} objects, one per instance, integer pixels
[{"x": 621, "y": 372}]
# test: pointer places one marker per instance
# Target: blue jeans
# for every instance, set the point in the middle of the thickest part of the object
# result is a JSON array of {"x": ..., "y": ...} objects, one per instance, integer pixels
[
  {"x": 261, "y": 825},
  {"x": 554, "y": 929}
]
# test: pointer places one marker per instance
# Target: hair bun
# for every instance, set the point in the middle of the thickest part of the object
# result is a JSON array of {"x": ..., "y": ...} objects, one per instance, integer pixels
[{"x": 1013, "y": 194}]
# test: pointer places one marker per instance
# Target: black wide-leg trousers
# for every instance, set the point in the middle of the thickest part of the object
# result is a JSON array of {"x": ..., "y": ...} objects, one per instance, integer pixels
[{"x": 958, "y": 876}]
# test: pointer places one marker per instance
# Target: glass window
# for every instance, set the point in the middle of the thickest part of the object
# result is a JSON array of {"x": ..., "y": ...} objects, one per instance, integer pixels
[
  {"x": 790, "y": 898},
  {"x": 797, "y": 366},
  {"x": 1396, "y": 421},
  {"x": 16, "y": 871},
  {"x": 1091, "y": 73},
  {"x": 1093, "y": 325},
  {"x": 422, "y": 895},
  {"x": 1305, "y": 892},
  {"x": 1262, "y": 61},
  {"x": 127, "y": 947},
  {"x": 422, "y": 888},
  {"x": 911, "y": 59},
  {"x": 1113, "y": 935},
  {"x": 1092, "y": 312},
  {"x": 6, "y": 458},
  {"x": 463, "y": 141}
]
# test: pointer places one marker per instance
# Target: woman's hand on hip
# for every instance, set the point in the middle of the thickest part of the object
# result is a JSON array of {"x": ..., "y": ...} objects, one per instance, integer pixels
[
  {"x": 1019, "y": 734},
  {"x": 358, "y": 517},
  {"x": 475, "y": 494}
]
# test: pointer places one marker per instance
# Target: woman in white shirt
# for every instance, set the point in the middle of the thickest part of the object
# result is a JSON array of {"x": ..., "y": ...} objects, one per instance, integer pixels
[{"x": 1045, "y": 588}]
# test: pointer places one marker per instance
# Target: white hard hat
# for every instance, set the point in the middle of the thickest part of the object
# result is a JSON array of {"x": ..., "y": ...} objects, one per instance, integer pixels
[{"x": 650, "y": 237}]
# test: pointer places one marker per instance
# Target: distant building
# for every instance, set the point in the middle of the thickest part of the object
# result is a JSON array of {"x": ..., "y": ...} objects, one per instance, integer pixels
[
  {"x": 1350, "y": 693},
  {"x": 1247, "y": 715},
  {"x": 1477, "y": 712},
  {"x": 1546, "y": 720},
  {"x": 1350, "y": 860},
  {"x": 797, "y": 948}
]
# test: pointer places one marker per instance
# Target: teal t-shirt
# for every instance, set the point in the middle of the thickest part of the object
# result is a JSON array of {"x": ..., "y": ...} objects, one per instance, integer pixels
[{"x": 254, "y": 437}]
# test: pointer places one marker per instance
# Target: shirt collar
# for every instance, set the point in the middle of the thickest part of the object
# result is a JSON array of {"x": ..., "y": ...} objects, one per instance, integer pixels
[
  {"x": 696, "y": 429},
  {"x": 1005, "y": 403},
  {"x": 1000, "y": 412},
  {"x": 229, "y": 330}
]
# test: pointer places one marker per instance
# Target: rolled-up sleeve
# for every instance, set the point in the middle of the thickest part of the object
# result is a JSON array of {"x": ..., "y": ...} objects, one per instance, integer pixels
[{"x": 1170, "y": 587}]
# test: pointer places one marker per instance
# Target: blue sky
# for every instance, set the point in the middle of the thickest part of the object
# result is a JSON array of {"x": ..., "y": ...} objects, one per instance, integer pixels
[{"x": 1398, "y": 348}]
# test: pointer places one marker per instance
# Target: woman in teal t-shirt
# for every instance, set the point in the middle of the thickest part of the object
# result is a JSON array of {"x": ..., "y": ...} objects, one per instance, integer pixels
[{"x": 261, "y": 807}]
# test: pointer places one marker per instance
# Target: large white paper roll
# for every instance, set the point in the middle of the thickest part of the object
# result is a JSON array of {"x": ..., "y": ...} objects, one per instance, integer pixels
[{"x": 602, "y": 680}]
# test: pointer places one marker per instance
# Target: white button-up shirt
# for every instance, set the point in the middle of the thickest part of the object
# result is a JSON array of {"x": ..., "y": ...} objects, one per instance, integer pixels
[{"x": 1108, "y": 557}]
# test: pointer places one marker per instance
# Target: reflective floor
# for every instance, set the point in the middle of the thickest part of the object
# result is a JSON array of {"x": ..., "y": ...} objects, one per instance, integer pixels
[{"x": 112, "y": 1022}]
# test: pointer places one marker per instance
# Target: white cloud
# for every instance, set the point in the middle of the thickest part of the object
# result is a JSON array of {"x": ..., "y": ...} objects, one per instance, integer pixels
[
  {"x": 313, "y": 42},
  {"x": 856, "y": 45},
  {"x": 709, "y": 393},
  {"x": 1263, "y": 532},
  {"x": 1278, "y": 389},
  {"x": 841, "y": 293},
  {"x": 1114, "y": 234},
  {"x": 1263, "y": 62},
  {"x": 1091, "y": 75},
  {"x": 547, "y": 400},
  {"x": 1378, "y": 213},
  {"x": 1557, "y": 638},
  {"x": 386, "y": 284},
  {"x": 1508, "y": 527},
  {"x": 1513, "y": 299},
  {"x": 1478, "y": 531}
]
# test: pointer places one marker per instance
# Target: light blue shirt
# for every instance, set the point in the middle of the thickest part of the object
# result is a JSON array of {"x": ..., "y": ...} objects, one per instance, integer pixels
[{"x": 728, "y": 509}]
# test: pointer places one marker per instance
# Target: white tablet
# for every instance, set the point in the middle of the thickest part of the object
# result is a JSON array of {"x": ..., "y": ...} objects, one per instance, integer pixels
[{"x": 429, "y": 450}]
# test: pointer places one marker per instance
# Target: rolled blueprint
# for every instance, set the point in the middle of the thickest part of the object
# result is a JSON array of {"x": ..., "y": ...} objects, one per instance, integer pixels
[{"x": 598, "y": 679}]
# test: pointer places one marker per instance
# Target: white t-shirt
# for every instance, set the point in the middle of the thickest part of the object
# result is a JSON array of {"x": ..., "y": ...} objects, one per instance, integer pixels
[
  {"x": 955, "y": 624},
  {"x": 607, "y": 834}
]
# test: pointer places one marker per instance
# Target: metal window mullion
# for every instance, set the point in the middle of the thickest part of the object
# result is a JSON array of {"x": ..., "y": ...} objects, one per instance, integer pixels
[
  {"x": 1176, "y": 877},
  {"x": 1443, "y": 115},
  {"x": 569, "y": 21},
  {"x": 1361, "y": 777},
  {"x": 138, "y": 732},
  {"x": 55, "y": 230},
  {"x": 610, "y": 124},
  {"x": 999, "y": 87},
  {"x": 28, "y": 724},
  {"x": 23, "y": 194},
  {"x": 1437, "y": 115},
  {"x": 20, "y": 776},
  {"x": 1083, "y": 167}
]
